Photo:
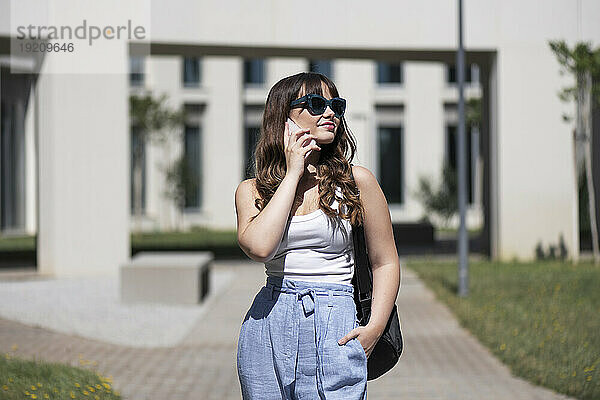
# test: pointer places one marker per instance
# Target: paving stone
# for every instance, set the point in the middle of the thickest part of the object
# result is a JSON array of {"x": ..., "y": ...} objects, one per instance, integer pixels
[{"x": 441, "y": 360}]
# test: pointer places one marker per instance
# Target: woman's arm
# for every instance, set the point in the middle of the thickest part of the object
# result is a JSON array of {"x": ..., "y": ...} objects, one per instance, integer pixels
[
  {"x": 381, "y": 246},
  {"x": 260, "y": 238}
]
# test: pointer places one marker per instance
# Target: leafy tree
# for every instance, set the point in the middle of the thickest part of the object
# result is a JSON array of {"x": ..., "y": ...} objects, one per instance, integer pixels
[
  {"x": 583, "y": 63},
  {"x": 181, "y": 179},
  {"x": 155, "y": 123},
  {"x": 473, "y": 112},
  {"x": 443, "y": 201}
]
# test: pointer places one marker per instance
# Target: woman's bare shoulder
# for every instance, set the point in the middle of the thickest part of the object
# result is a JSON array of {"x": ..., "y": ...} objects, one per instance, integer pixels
[
  {"x": 247, "y": 188},
  {"x": 363, "y": 177},
  {"x": 245, "y": 196}
]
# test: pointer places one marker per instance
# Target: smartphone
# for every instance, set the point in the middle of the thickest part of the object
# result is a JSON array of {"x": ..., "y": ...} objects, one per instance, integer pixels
[{"x": 293, "y": 127}]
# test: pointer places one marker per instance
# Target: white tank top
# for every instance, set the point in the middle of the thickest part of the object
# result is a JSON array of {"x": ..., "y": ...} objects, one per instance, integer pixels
[{"x": 315, "y": 248}]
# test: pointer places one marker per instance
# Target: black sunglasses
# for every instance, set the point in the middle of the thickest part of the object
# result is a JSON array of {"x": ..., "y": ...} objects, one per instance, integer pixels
[{"x": 317, "y": 104}]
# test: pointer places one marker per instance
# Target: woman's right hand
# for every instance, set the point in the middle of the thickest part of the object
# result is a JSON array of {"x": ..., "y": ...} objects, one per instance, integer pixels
[{"x": 295, "y": 149}]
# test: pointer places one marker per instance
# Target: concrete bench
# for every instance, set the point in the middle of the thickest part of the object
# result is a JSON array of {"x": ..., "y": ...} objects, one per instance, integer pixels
[{"x": 171, "y": 278}]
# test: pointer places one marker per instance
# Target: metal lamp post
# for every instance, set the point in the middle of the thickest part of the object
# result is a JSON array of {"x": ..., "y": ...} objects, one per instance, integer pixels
[{"x": 463, "y": 241}]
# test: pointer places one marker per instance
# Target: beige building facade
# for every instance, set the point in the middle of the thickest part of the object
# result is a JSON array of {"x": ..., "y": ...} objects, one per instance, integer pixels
[{"x": 67, "y": 159}]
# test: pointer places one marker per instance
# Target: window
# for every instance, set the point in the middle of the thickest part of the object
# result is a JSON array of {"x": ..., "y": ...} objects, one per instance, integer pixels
[
  {"x": 471, "y": 73},
  {"x": 192, "y": 170},
  {"x": 253, "y": 115},
  {"x": 252, "y": 134},
  {"x": 389, "y": 72},
  {"x": 192, "y": 153},
  {"x": 12, "y": 160},
  {"x": 15, "y": 90},
  {"x": 452, "y": 155},
  {"x": 391, "y": 159},
  {"x": 191, "y": 71},
  {"x": 321, "y": 66},
  {"x": 138, "y": 153},
  {"x": 254, "y": 71},
  {"x": 136, "y": 71}
]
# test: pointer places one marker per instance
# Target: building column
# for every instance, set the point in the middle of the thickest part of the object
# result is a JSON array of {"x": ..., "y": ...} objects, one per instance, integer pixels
[
  {"x": 424, "y": 129},
  {"x": 83, "y": 171},
  {"x": 222, "y": 136},
  {"x": 360, "y": 109},
  {"x": 281, "y": 67},
  {"x": 536, "y": 179}
]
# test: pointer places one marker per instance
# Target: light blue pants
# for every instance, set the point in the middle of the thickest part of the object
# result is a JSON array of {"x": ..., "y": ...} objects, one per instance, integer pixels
[{"x": 287, "y": 347}]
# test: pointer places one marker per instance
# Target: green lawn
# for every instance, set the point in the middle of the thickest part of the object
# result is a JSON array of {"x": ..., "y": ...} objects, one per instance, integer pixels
[
  {"x": 24, "y": 379},
  {"x": 472, "y": 232},
  {"x": 18, "y": 243},
  {"x": 197, "y": 237},
  {"x": 541, "y": 319}
]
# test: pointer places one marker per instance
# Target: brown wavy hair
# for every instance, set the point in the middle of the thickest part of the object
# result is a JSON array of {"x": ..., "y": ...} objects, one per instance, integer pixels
[{"x": 333, "y": 167}]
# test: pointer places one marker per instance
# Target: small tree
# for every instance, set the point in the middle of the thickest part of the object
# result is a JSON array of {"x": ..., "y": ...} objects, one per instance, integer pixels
[
  {"x": 155, "y": 123},
  {"x": 473, "y": 114},
  {"x": 583, "y": 64},
  {"x": 181, "y": 179},
  {"x": 442, "y": 201}
]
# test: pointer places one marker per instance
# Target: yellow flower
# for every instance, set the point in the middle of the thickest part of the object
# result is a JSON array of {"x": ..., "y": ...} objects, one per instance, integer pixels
[
  {"x": 589, "y": 378},
  {"x": 11, "y": 380},
  {"x": 5, "y": 387},
  {"x": 33, "y": 387},
  {"x": 98, "y": 386},
  {"x": 77, "y": 384},
  {"x": 72, "y": 395},
  {"x": 574, "y": 373},
  {"x": 85, "y": 392},
  {"x": 33, "y": 396},
  {"x": 46, "y": 396},
  {"x": 39, "y": 384},
  {"x": 503, "y": 346},
  {"x": 106, "y": 385}
]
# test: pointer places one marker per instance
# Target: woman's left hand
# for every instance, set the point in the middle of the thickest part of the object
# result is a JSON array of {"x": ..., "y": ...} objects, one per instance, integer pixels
[{"x": 367, "y": 336}]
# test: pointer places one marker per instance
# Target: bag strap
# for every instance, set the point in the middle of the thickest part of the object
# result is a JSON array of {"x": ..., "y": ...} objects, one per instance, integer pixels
[{"x": 362, "y": 267}]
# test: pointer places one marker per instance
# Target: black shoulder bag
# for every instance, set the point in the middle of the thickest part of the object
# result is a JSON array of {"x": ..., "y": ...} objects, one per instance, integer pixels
[{"x": 388, "y": 349}]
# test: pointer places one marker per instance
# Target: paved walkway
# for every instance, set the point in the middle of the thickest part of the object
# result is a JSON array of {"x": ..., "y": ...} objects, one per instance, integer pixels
[{"x": 440, "y": 361}]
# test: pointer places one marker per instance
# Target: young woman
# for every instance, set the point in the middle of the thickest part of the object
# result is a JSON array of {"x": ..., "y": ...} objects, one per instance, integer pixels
[{"x": 301, "y": 338}]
